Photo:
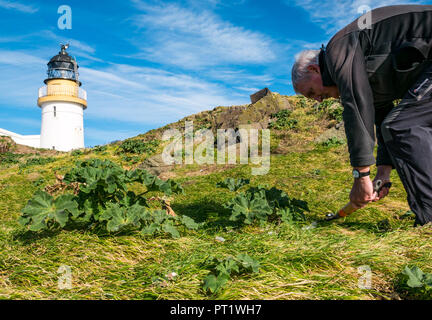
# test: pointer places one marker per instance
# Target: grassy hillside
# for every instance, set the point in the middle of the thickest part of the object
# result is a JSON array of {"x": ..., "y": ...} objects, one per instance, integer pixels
[{"x": 313, "y": 259}]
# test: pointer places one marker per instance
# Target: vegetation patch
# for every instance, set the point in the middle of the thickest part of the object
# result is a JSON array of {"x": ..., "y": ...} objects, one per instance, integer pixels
[
  {"x": 37, "y": 162},
  {"x": 100, "y": 148},
  {"x": 416, "y": 283},
  {"x": 9, "y": 158},
  {"x": 222, "y": 270},
  {"x": 282, "y": 120},
  {"x": 104, "y": 202},
  {"x": 333, "y": 142},
  {"x": 261, "y": 204},
  {"x": 137, "y": 146},
  {"x": 330, "y": 108}
]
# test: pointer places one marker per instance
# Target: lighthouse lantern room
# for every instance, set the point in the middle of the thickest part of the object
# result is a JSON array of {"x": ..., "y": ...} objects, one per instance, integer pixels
[{"x": 62, "y": 101}]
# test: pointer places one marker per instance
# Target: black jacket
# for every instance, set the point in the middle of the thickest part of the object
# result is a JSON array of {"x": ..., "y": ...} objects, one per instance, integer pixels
[{"x": 373, "y": 67}]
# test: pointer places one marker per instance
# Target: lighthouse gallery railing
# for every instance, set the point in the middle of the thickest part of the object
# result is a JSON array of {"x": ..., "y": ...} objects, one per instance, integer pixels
[{"x": 70, "y": 91}]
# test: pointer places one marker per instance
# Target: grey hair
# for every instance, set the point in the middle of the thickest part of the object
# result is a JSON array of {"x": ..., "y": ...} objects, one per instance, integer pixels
[{"x": 299, "y": 70}]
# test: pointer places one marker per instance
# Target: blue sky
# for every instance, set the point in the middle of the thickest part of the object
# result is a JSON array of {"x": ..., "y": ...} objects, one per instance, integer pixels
[{"x": 146, "y": 63}]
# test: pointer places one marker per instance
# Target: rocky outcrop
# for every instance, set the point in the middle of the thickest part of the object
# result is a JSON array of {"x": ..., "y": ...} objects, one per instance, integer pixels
[
  {"x": 255, "y": 115},
  {"x": 252, "y": 116},
  {"x": 155, "y": 165},
  {"x": 337, "y": 132},
  {"x": 259, "y": 95},
  {"x": 6, "y": 144}
]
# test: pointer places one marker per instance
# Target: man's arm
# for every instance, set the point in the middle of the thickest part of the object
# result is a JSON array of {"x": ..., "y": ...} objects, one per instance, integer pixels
[{"x": 346, "y": 63}]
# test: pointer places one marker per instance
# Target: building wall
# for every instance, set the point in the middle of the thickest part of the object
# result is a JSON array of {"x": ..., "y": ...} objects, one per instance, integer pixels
[
  {"x": 62, "y": 126},
  {"x": 28, "y": 140}
]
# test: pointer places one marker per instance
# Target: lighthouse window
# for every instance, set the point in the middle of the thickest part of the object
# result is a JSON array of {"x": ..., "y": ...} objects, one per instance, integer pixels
[
  {"x": 61, "y": 74},
  {"x": 55, "y": 111}
]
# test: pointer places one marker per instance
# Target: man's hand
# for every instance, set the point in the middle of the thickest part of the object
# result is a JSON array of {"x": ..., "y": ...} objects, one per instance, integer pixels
[
  {"x": 383, "y": 174},
  {"x": 362, "y": 191}
]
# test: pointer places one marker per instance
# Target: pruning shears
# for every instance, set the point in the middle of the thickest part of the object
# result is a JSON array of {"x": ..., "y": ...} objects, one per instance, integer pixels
[{"x": 349, "y": 208}]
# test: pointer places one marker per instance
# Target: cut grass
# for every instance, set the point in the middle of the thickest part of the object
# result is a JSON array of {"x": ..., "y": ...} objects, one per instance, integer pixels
[{"x": 296, "y": 263}]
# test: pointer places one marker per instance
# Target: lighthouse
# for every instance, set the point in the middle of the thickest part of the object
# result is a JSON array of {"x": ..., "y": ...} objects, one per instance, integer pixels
[{"x": 62, "y": 102}]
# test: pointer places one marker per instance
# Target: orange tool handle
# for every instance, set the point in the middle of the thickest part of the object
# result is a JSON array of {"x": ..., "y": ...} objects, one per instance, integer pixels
[{"x": 346, "y": 210}]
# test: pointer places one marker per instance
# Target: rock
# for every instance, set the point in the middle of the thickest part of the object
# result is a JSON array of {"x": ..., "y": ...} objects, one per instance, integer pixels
[
  {"x": 336, "y": 132},
  {"x": 155, "y": 165},
  {"x": 6, "y": 144},
  {"x": 253, "y": 116},
  {"x": 259, "y": 95},
  {"x": 313, "y": 225},
  {"x": 219, "y": 239},
  {"x": 171, "y": 275},
  {"x": 256, "y": 115}
]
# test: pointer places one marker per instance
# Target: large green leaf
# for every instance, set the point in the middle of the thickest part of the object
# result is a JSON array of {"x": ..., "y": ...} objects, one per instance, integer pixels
[
  {"x": 427, "y": 280},
  {"x": 248, "y": 262},
  {"x": 227, "y": 266},
  {"x": 233, "y": 184},
  {"x": 43, "y": 209},
  {"x": 159, "y": 216},
  {"x": 289, "y": 215},
  {"x": 67, "y": 202},
  {"x": 146, "y": 178},
  {"x": 169, "y": 227},
  {"x": 151, "y": 229},
  {"x": 213, "y": 283},
  {"x": 251, "y": 207},
  {"x": 223, "y": 269},
  {"x": 190, "y": 223},
  {"x": 210, "y": 283},
  {"x": 168, "y": 187},
  {"x": 415, "y": 276},
  {"x": 119, "y": 218}
]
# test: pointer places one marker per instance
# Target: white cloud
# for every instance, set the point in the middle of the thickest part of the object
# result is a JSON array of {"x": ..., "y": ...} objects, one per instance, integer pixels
[
  {"x": 27, "y": 122},
  {"x": 75, "y": 44},
  {"x": 333, "y": 15},
  {"x": 150, "y": 96},
  {"x": 23, "y": 75},
  {"x": 18, "y": 58},
  {"x": 119, "y": 92},
  {"x": 16, "y": 5},
  {"x": 192, "y": 39}
]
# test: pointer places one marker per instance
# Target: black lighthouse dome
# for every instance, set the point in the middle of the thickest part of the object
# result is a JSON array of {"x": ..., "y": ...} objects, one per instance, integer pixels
[{"x": 63, "y": 66}]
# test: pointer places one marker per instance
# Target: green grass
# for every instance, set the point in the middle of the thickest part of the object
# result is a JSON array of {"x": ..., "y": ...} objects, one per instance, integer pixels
[{"x": 296, "y": 263}]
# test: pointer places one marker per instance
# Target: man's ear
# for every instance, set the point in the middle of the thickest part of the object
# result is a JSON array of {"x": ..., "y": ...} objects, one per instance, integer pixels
[{"x": 314, "y": 68}]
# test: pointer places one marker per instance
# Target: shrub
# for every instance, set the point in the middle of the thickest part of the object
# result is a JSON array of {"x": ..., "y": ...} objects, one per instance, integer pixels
[
  {"x": 260, "y": 204},
  {"x": 76, "y": 153},
  {"x": 100, "y": 148},
  {"x": 418, "y": 284},
  {"x": 36, "y": 161},
  {"x": 221, "y": 270},
  {"x": 283, "y": 120},
  {"x": 333, "y": 142},
  {"x": 138, "y": 147},
  {"x": 9, "y": 158},
  {"x": 104, "y": 202},
  {"x": 330, "y": 108}
]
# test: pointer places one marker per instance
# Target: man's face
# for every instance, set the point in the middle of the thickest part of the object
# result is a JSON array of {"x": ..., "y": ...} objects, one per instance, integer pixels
[{"x": 313, "y": 87}]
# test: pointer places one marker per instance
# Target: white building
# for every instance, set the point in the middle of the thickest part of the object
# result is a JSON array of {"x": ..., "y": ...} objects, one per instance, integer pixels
[
  {"x": 32, "y": 141},
  {"x": 62, "y": 103}
]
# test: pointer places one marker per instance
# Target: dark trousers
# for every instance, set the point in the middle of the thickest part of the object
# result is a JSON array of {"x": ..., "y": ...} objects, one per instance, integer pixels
[{"x": 407, "y": 133}]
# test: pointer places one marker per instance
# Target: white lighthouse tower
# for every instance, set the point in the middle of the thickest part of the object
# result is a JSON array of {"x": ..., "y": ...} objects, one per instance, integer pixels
[{"x": 62, "y": 102}]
